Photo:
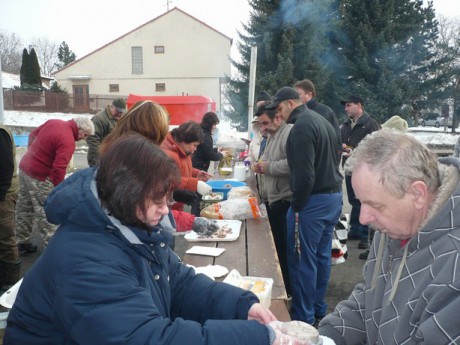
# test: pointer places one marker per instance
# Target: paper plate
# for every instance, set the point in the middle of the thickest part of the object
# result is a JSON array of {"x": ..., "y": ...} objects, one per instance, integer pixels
[{"x": 234, "y": 225}]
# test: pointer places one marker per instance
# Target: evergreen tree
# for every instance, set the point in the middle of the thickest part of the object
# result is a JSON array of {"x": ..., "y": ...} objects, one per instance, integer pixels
[
  {"x": 292, "y": 40},
  {"x": 65, "y": 55},
  {"x": 35, "y": 74},
  {"x": 388, "y": 50},
  {"x": 25, "y": 66},
  {"x": 30, "y": 72}
]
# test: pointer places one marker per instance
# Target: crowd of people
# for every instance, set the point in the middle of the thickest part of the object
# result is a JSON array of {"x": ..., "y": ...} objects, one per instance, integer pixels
[{"x": 112, "y": 260}]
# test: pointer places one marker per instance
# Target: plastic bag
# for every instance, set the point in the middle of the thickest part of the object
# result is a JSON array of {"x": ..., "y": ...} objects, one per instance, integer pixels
[
  {"x": 243, "y": 192},
  {"x": 238, "y": 209},
  {"x": 296, "y": 332}
]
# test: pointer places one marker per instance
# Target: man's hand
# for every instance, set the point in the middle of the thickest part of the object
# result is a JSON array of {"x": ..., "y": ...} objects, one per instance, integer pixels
[{"x": 346, "y": 150}]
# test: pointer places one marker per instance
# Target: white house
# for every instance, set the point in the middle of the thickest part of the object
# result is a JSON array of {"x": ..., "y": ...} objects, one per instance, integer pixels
[{"x": 174, "y": 54}]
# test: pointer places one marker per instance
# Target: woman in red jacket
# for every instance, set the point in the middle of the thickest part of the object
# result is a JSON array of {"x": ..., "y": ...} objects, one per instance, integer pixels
[{"x": 179, "y": 144}]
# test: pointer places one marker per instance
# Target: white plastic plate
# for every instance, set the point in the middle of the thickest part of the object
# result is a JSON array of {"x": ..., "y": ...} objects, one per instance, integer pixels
[
  {"x": 208, "y": 251},
  {"x": 234, "y": 225}
]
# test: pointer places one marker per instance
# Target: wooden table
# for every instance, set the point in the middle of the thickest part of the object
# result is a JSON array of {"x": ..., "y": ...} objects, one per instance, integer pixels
[{"x": 252, "y": 254}]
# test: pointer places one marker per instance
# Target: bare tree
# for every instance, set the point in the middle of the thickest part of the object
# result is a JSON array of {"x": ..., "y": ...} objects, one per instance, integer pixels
[
  {"x": 11, "y": 52},
  {"x": 47, "y": 53}
]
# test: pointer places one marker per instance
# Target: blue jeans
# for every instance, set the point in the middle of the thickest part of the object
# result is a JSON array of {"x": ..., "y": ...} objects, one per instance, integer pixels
[
  {"x": 356, "y": 228},
  {"x": 309, "y": 271}
]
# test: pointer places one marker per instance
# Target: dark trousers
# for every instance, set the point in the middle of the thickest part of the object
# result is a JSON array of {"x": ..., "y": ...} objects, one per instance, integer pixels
[
  {"x": 309, "y": 255},
  {"x": 277, "y": 212},
  {"x": 356, "y": 228}
]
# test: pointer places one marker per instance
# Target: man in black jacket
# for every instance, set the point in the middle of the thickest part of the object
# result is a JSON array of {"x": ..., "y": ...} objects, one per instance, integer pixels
[
  {"x": 358, "y": 125},
  {"x": 307, "y": 94},
  {"x": 316, "y": 202}
]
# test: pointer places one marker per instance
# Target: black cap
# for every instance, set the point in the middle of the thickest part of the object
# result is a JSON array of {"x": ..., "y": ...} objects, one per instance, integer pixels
[
  {"x": 281, "y": 95},
  {"x": 352, "y": 99}
]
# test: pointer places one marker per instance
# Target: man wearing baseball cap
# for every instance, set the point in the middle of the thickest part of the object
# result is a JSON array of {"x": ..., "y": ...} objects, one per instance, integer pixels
[
  {"x": 356, "y": 127},
  {"x": 104, "y": 123},
  {"x": 316, "y": 203}
]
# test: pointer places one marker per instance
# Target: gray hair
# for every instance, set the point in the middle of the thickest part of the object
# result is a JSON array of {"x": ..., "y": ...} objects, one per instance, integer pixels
[
  {"x": 85, "y": 124},
  {"x": 397, "y": 159}
]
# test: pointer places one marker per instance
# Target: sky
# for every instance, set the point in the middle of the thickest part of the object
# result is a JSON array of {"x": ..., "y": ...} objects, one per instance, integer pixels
[{"x": 87, "y": 25}]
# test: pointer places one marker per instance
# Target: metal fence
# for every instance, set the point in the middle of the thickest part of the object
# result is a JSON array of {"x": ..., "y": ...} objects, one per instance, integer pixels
[{"x": 55, "y": 102}]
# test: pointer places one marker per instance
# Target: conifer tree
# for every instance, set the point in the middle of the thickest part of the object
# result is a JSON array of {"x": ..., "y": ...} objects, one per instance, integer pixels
[
  {"x": 65, "y": 55},
  {"x": 388, "y": 52},
  {"x": 25, "y": 66},
  {"x": 292, "y": 44},
  {"x": 30, "y": 76},
  {"x": 35, "y": 74}
]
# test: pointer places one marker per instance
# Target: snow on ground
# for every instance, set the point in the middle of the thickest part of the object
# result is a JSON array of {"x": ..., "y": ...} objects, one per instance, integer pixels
[{"x": 227, "y": 135}]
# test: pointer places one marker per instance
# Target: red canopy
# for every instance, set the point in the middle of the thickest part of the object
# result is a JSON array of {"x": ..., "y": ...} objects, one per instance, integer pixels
[{"x": 180, "y": 108}]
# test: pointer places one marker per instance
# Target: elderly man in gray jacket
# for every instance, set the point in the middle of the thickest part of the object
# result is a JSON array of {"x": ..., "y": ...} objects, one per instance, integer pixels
[
  {"x": 274, "y": 182},
  {"x": 410, "y": 293}
]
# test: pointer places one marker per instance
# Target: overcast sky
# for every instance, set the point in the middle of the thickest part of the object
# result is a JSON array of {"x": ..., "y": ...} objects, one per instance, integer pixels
[{"x": 87, "y": 25}]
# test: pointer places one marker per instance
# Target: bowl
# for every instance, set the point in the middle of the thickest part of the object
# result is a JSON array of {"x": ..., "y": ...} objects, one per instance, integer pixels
[{"x": 224, "y": 186}]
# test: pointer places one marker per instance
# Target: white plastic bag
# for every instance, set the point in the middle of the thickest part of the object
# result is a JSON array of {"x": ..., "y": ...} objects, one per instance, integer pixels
[
  {"x": 238, "y": 209},
  {"x": 242, "y": 192}
]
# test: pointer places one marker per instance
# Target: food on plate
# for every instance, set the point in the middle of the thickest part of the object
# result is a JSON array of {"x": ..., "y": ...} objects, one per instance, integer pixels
[
  {"x": 301, "y": 331},
  {"x": 254, "y": 286},
  {"x": 206, "y": 228},
  {"x": 219, "y": 233},
  {"x": 213, "y": 196},
  {"x": 227, "y": 185}
]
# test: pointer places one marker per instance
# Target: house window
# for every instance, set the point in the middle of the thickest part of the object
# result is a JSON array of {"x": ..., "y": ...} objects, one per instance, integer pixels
[
  {"x": 136, "y": 60},
  {"x": 114, "y": 87},
  {"x": 160, "y": 87},
  {"x": 159, "y": 49}
]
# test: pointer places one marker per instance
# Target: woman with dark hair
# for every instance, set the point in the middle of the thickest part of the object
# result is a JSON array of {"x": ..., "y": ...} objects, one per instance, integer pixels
[
  {"x": 107, "y": 276},
  {"x": 205, "y": 152},
  {"x": 179, "y": 144},
  {"x": 151, "y": 120}
]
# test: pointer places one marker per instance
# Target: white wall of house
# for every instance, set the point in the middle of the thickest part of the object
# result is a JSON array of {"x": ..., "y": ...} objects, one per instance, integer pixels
[{"x": 195, "y": 59}]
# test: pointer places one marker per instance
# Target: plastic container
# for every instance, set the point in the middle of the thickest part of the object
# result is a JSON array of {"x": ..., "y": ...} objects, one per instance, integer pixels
[
  {"x": 211, "y": 199},
  {"x": 261, "y": 287},
  {"x": 240, "y": 172},
  {"x": 21, "y": 139},
  {"x": 224, "y": 186}
]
